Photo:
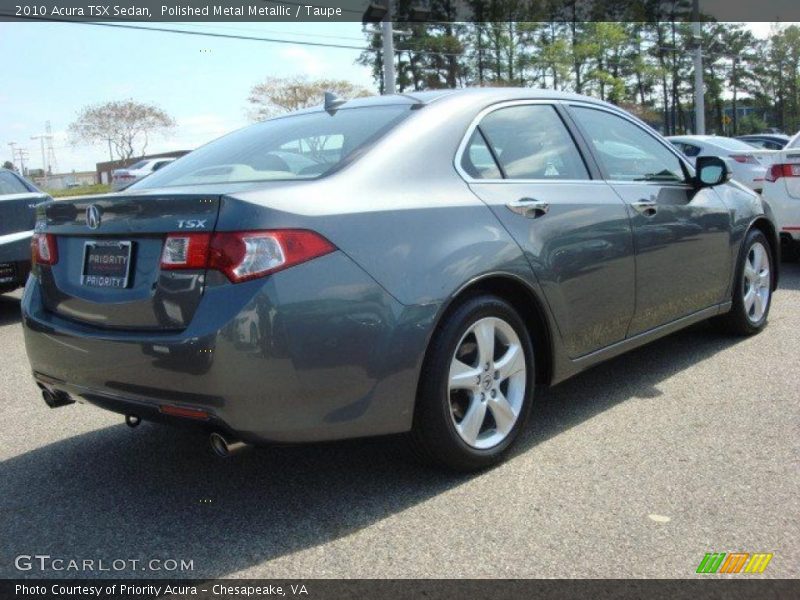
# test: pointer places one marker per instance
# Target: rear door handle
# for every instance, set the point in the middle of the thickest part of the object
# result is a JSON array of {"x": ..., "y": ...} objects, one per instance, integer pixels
[
  {"x": 529, "y": 207},
  {"x": 646, "y": 207}
]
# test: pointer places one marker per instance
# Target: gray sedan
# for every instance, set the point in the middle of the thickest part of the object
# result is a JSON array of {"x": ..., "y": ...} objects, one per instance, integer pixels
[{"x": 412, "y": 264}]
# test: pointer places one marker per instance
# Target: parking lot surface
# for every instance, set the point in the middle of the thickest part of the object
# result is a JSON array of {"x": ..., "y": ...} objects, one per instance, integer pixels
[{"x": 636, "y": 468}]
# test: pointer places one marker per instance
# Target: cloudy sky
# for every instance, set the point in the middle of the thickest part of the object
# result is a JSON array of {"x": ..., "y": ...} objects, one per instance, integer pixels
[{"x": 52, "y": 70}]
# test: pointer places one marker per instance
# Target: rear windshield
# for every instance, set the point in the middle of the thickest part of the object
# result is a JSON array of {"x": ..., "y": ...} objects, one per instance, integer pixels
[
  {"x": 731, "y": 144},
  {"x": 138, "y": 165},
  {"x": 302, "y": 146}
]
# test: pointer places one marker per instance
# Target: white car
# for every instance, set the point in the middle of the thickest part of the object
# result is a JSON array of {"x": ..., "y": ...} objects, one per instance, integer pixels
[
  {"x": 122, "y": 178},
  {"x": 747, "y": 164},
  {"x": 782, "y": 192}
]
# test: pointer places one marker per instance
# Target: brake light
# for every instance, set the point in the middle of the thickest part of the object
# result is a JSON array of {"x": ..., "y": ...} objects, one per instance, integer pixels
[
  {"x": 777, "y": 171},
  {"x": 745, "y": 158},
  {"x": 44, "y": 250},
  {"x": 243, "y": 255}
]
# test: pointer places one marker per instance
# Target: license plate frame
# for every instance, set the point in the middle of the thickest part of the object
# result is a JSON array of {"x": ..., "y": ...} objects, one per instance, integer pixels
[{"x": 117, "y": 280}]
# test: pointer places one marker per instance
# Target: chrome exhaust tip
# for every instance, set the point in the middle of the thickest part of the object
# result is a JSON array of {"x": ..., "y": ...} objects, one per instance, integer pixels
[
  {"x": 56, "y": 399},
  {"x": 224, "y": 447}
]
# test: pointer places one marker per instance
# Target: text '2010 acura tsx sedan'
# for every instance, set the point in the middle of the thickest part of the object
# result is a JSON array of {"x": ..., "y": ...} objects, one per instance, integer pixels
[{"x": 399, "y": 264}]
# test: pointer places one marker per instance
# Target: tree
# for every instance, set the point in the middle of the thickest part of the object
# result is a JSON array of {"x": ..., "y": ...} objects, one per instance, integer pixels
[
  {"x": 124, "y": 124},
  {"x": 9, "y": 165},
  {"x": 277, "y": 95}
]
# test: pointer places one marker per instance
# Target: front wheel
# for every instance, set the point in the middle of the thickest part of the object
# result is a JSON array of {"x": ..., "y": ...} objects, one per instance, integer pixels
[
  {"x": 476, "y": 386},
  {"x": 752, "y": 291}
]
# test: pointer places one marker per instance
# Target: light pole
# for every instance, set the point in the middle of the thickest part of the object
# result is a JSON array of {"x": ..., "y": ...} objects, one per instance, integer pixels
[
  {"x": 382, "y": 13},
  {"x": 699, "y": 92},
  {"x": 389, "y": 80}
]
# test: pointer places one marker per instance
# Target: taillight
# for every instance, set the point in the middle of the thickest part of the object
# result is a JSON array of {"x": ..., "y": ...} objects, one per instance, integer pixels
[
  {"x": 777, "y": 171},
  {"x": 243, "y": 255},
  {"x": 745, "y": 158},
  {"x": 44, "y": 250},
  {"x": 185, "y": 251}
]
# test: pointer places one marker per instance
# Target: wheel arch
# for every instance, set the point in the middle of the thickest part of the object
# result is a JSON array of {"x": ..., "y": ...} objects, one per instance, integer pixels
[{"x": 514, "y": 290}]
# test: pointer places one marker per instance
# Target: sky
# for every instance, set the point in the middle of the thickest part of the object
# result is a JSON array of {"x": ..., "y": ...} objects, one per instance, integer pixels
[{"x": 52, "y": 70}]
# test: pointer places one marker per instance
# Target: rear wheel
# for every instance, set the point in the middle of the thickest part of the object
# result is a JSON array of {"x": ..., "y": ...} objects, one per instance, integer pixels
[
  {"x": 476, "y": 387},
  {"x": 752, "y": 291}
]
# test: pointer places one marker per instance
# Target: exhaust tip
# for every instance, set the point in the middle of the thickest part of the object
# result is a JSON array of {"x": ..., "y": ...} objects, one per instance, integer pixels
[
  {"x": 56, "y": 399},
  {"x": 223, "y": 447}
]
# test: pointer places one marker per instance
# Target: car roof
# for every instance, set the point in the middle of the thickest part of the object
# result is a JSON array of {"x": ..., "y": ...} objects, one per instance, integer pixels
[{"x": 486, "y": 95}]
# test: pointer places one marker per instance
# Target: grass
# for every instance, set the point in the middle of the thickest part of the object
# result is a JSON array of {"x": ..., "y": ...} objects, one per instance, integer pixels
[{"x": 84, "y": 190}]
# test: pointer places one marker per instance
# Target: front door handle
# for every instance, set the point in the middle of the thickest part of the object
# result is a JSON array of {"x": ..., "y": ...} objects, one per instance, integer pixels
[
  {"x": 528, "y": 207},
  {"x": 646, "y": 207}
]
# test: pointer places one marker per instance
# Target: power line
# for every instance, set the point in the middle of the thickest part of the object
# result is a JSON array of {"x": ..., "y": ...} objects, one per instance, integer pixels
[{"x": 224, "y": 35}]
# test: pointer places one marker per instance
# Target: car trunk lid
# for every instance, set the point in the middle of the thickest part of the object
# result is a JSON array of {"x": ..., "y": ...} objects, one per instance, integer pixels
[{"x": 108, "y": 271}]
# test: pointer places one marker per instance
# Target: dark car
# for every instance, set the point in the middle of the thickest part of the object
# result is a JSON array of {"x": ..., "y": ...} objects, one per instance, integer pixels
[
  {"x": 413, "y": 264},
  {"x": 18, "y": 200},
  {"x": 767, "y": 141}
]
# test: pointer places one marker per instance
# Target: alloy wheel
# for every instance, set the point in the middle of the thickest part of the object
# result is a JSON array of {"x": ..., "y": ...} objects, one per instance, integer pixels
[
  {"x": 486, "y": 383},
  {"x": 756, "y": 282}
]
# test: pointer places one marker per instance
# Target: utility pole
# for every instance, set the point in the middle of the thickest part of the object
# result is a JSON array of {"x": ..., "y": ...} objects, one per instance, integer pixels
[
  {"x": 13, "y": 153},
  {"x": 41, "y": 139},
  {"x": 389, "y": 83},
  {"x": 22, "y": 154},
  {"x": 699, "y": 85}
]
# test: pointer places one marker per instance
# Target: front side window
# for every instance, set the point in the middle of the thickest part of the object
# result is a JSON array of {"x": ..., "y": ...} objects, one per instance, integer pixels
[
  {"x": 9, "y": 184},
  {"x": 302, "y": 146},
  {"x": 626, "y": 151},
  {"x": 530, "y": 142}
]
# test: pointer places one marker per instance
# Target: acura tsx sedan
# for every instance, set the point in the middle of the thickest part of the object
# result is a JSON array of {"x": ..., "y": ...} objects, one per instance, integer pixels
[{"x": 413, "y": 264}]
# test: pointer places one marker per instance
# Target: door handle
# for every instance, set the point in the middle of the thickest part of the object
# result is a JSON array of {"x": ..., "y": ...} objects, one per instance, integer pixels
[
  {"x": 646, "y": 207},
  {"x": 528, "y": 207}
]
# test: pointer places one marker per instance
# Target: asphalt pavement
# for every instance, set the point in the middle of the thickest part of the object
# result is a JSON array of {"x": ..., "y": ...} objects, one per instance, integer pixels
[{"x": 636, "y": 468}]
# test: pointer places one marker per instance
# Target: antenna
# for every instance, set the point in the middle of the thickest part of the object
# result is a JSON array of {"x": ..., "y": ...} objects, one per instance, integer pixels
[{"x": 332, "y": 102}]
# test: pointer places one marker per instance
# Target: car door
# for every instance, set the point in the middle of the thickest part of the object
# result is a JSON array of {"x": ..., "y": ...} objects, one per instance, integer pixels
[
  {"x": 522, "y": 161},
  {"x": 681, "y": 234}
]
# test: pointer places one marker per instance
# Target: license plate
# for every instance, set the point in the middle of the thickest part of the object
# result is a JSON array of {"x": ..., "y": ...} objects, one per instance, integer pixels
[{"x": 106, "y": 264}]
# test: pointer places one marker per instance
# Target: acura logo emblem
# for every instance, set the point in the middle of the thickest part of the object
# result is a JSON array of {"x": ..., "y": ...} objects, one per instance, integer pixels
[{"x": 92, "y": 216}]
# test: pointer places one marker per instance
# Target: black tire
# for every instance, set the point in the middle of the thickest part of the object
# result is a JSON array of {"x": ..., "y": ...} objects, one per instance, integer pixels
[
  {"x": 433, "y": 437},
  {"x": 737, "y": 321}
]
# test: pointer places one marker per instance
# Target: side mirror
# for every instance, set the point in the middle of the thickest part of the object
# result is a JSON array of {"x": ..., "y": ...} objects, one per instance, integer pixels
[{"x": 711, "y": 171}]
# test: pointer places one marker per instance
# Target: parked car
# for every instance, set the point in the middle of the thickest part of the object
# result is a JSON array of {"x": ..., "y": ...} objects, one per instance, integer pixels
[
  {"x": 747, "y": 164},
  {"x": 436, "y": 257},
  {"x": 18, "y": 200},
  {"x": 782, "y": 192},
  {"x": 766, "y": 141},
  {"x": 122, "y": 178}
]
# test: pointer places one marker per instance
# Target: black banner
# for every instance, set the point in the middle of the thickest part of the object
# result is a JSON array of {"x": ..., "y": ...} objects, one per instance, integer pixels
[
  {"x": 401, "y": 11},
  {"x": 399, "y": 589}
]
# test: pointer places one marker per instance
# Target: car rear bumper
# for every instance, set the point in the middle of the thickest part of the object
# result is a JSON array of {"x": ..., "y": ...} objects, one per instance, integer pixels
[{"x": 316, "y": 352}]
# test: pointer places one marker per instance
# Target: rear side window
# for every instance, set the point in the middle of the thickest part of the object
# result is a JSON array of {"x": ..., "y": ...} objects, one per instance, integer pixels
[
  {"x": 302, "y": 146},
  {"x": 689, "y": 150},
  {"x": 530, "y": 142},
  {"x": 9, "y": 184},
  {"x": 626, "y": 151}
]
